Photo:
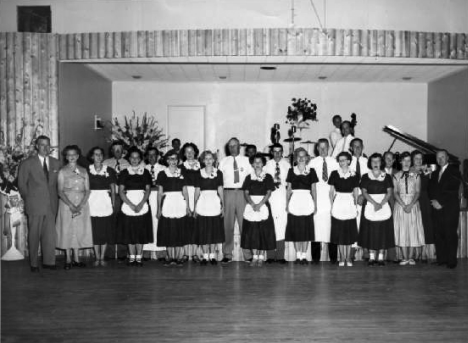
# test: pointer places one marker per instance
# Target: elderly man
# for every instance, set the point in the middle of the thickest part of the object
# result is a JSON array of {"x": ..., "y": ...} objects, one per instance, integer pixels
[
  {"x": 37, "y": 183},
  {"x": 344, "y": 143},
  {"x": 235, "y": 169},
  {"x": 323, "y": 166},
  {"x": 444, "y": 190}
]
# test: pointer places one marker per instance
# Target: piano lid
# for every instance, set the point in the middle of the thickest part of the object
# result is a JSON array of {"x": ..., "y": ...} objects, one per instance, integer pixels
[{"x": 416, "y": 142}]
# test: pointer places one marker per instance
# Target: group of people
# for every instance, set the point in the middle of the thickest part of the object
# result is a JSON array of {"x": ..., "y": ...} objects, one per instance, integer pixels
[{"x": 184, "y": 204}]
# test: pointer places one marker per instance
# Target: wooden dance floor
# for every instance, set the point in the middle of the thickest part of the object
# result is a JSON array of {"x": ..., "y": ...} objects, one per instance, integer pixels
[{"x": 235, "y": 303}]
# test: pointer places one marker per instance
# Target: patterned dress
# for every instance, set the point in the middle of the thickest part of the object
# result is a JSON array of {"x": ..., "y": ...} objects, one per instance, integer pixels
[{"x": 409, "y": 231}]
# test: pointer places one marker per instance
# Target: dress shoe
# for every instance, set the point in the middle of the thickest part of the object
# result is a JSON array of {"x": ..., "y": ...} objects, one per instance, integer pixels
[
  {"x": 185, "y": 258},
  {"x": 341, "y": 264},
  {"x": 67, "y": 266},
  {"x": 381, "y": 263},
  {"x": 270, "y": 261},
  {"x": 282, "y": 261},
  {"x": 226, "y": 260},
  {"x": 34, "y": 269},
  {"x": 78, "y": 264},
  {"x": 167, "y": 263},
  {"x": 371, "y": 263},
  {"x": 253, "y": 263},
  {"x": 260, "y": 263},
  {"x": 103, "y": 263},
  {"x": 214, "y": 262},
  {"x": 411, "y": 262},
  {"x": 298, "y": 261},
  {"x": 49, "y": 266},
  {"x": 304, "y": 262},
  {"x": 180, "y": 263},
  {"x": 203, "y": 262},
  {"x": 196, "y": 259}
]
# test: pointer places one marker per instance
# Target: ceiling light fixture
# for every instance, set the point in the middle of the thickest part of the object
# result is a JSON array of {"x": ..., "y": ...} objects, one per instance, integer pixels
[
  {"x": 222, "y": 77},
  {"x": 322, "y": 77},
  {"x": 268, "y": 67},
  {"x": 406, "y": 78},
  {"x": 136, "y": 77}
]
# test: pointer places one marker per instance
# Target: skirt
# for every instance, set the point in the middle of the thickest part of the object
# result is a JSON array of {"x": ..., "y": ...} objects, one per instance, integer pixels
[
  {"x": 209, "y": 225},
  {"x": 300, "y": 226},
  {"x": 344, "y": 232},
  {"x": 409, "y": 231},
  {"x": 135, "y": 228},
  {"x": 174, "y": 227},
  {"x": 258, "y": 228},
  {"x": 103, "y": 230},
  {"x": 376, "y": 234}
]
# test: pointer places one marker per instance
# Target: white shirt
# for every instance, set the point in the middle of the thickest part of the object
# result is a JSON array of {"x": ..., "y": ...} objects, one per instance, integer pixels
[
  {"x": 389, "y": 171},
  {"x": 362, "y": 163},
  {"x": 157, "y": 168},
  {"x": 442, "y": 169},
  {"x": 342, "y": 145},
  {"x": 44, "y": 160},
  {"x": 227, "y": 168},
  {"x": 317, "y": 164},
  {"x": 335, "y": 136},
  {"x": 112, "y": 162},
  {"x": 284, "y": 167}
]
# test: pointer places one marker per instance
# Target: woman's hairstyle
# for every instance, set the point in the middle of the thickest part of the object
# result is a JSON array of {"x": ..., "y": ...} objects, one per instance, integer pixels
[
  {"x": 297, "y": 151},
  {"x": 206, "y": 153},
  {"x": 70, "y": 148},
  {"x": 188, "y": 145},
  {"x": 345, "y": 154},
  {"x": 404, "y": 155},
  {"x": 374, "y": 156},
  {"x": 168, "y": 154},
  {"x": 257, "y": 156},
  {"x": 90, "y": 154},
  {"x": 132, "y": 150}
]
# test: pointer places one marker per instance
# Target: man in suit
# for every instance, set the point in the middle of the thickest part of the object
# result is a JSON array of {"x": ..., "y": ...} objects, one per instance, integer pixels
[
  {"x": 37, "y": 183},
  {"x": 444, "y": 195}
]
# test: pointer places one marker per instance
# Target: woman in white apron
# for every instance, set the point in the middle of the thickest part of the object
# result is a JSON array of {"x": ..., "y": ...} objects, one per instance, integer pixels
[
  {"x": 258, "y": 228},
  {"x": 376, "y": 232},
  {"x": 102, "y": 180},
  {"x": 344, "y": 192},
  {"x": 302, "y": 195},
  {"x": 190, "y": 169},
  {"x": 209, "y": 222},
  {"x": 173, "y": 211},
  {"x": 135, "y": 226}
]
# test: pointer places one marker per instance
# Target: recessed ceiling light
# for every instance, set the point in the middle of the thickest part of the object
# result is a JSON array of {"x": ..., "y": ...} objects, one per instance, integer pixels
[
  {"x": 268, "y": 67},
  {"x": 222, "y": 77},
  {"x": 406, "y": 78},
  {"x": 136, "y": 77},
  {"x": 322, "y": 77}
]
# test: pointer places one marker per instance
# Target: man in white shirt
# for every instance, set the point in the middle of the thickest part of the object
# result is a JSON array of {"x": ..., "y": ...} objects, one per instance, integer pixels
[
  {"x": 278, "y": 168},
  {"x": 235, "y": 169},
  {"x": 152, "y": 157},
  {"x": 344, "y": 143},
  {"x": 323, "y": 166},
  {"x": 118, "y": 163},
  {"x": 335, "y": 135}
]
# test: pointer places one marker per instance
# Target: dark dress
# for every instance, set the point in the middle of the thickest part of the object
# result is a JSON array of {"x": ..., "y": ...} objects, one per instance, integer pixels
[
  {"x": 258, "y": 234},
  {"x": 344, "y": 231},
  {"x": 103, "y": 226},
  {"x": 136, "y": 229},
  {"x": 174, "y": 231},
  {"x": 376, "y": 235},
  {"x": 300, "y": 228},
  {"x": 209, "y": 229},
  {"x": 426, "y": 210}
]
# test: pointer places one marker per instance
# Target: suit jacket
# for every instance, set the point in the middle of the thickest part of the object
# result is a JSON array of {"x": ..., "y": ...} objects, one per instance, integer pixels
[
  {"x": 447, "y": 190},
  {"x": 39, "y": 195}
]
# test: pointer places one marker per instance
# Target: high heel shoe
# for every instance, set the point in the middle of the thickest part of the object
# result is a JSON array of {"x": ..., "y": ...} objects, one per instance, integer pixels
[
  {"x": 304, "y": 262},
  {"x": 214, "y": 262},
  {"x": 298, "y": 261},
  {"x": 203, "y": 262},
  {"x": 78, "y": 264},
  {"x": 131, "y": 263}
]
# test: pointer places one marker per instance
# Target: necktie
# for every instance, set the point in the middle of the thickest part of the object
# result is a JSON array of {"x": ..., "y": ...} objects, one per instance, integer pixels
[
  {"x": 405, "y": 175},
  {"x": 358, "y": 168},
  {"x": 45, "y": 169},
  {"x": 152, "y": 173},
  {"x": 440, "y": 174},
  {"x": 236, "y": 171},
  {"x": 277, "y": 173},
  {"x": 117, "y": 167},
  {"x": 325, "y": 170}
]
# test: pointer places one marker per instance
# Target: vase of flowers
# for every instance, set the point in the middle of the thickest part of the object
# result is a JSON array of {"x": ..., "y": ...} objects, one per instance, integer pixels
[
  {"x": 300, "y": 112},
  {"x": 139, "y": 131}
]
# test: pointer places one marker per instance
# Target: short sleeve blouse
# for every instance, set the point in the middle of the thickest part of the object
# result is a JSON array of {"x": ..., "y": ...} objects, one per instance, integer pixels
[
  {"x": 171, "y": 183},
  {"x": 135, "y": 181},
  {"x": 209, "y": 183},
  {"x": 301, "y": 181},
  {"x": 341, "y": 184},
  {"x": 103, "y": 180},
  {"x": 257, "y": 187},
  {"x": 376, "y": 186}
]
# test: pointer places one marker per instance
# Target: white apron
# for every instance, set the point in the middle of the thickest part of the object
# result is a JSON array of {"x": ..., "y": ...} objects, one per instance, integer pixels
[
  {"x": 344, "y": 207},
  {"x": 278, "y": 211},
  {"x": 383, "y": 214},
  {"x": 251, "y": 215},
  {"x": 135, "y": 196},
  {"x": 322, "y": 219},
  {"x": 209, "y": 204},
  {"x": 100, "y": 203},
  {"x": 191, "y": 195},
  {"x": 301, "y": 203},
  {"x": 174, "y": 205},
  {"x": 153, "y": 202}
]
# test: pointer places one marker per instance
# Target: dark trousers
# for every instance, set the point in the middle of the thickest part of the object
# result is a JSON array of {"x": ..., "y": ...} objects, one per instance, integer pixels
[
  {"x": 42, "y": 232},
  {"x": 277, "y": 254},
  {"x": 445, "y": 234},
  {"x": 316, "y": 249}
]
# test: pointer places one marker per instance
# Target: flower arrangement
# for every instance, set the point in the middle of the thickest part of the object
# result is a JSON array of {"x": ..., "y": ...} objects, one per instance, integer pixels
[
  {"x": 301, "y": 111},
  {"x": 141, "y": 132}
]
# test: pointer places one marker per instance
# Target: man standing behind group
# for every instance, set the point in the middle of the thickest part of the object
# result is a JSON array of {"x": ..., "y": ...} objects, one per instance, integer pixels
[
  {"x": 335, "y": 135},
  {"x": 235, "y": 169},
  {"x": 118, "y": 163},
  {"x": 444, "y": 190},
  {"x": 37, "y": 182},
  {"x": 323, "y": 166},
  {"x": 278, "y": 168},
  {"x": 344, "y": 143}
]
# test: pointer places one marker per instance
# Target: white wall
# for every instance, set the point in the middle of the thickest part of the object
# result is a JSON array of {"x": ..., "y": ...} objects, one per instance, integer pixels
[
  {"x": 248, "y": 110},
  {"x": 71, "y": 16}
]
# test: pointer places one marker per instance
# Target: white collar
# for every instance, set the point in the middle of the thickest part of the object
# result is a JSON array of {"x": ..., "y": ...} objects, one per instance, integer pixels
[
  {"x": 195, "y": 166},
  {"x": 139, "y": 170},
  {"x": 213, "y": 174},
  {"x": 381, "y": 176},
  {"x": 306, "y": 170},
  {"x": 442, "y": 169},
  {"x": 346, "y": 175},
  {"x": 102, "y": 172},
  {"x": 177, "y": 173},
  {"x": 260, "y": 178}
]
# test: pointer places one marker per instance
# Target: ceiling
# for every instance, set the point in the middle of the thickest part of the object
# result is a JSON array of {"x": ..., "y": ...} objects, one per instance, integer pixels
[{"x": 288, "y": 69}]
